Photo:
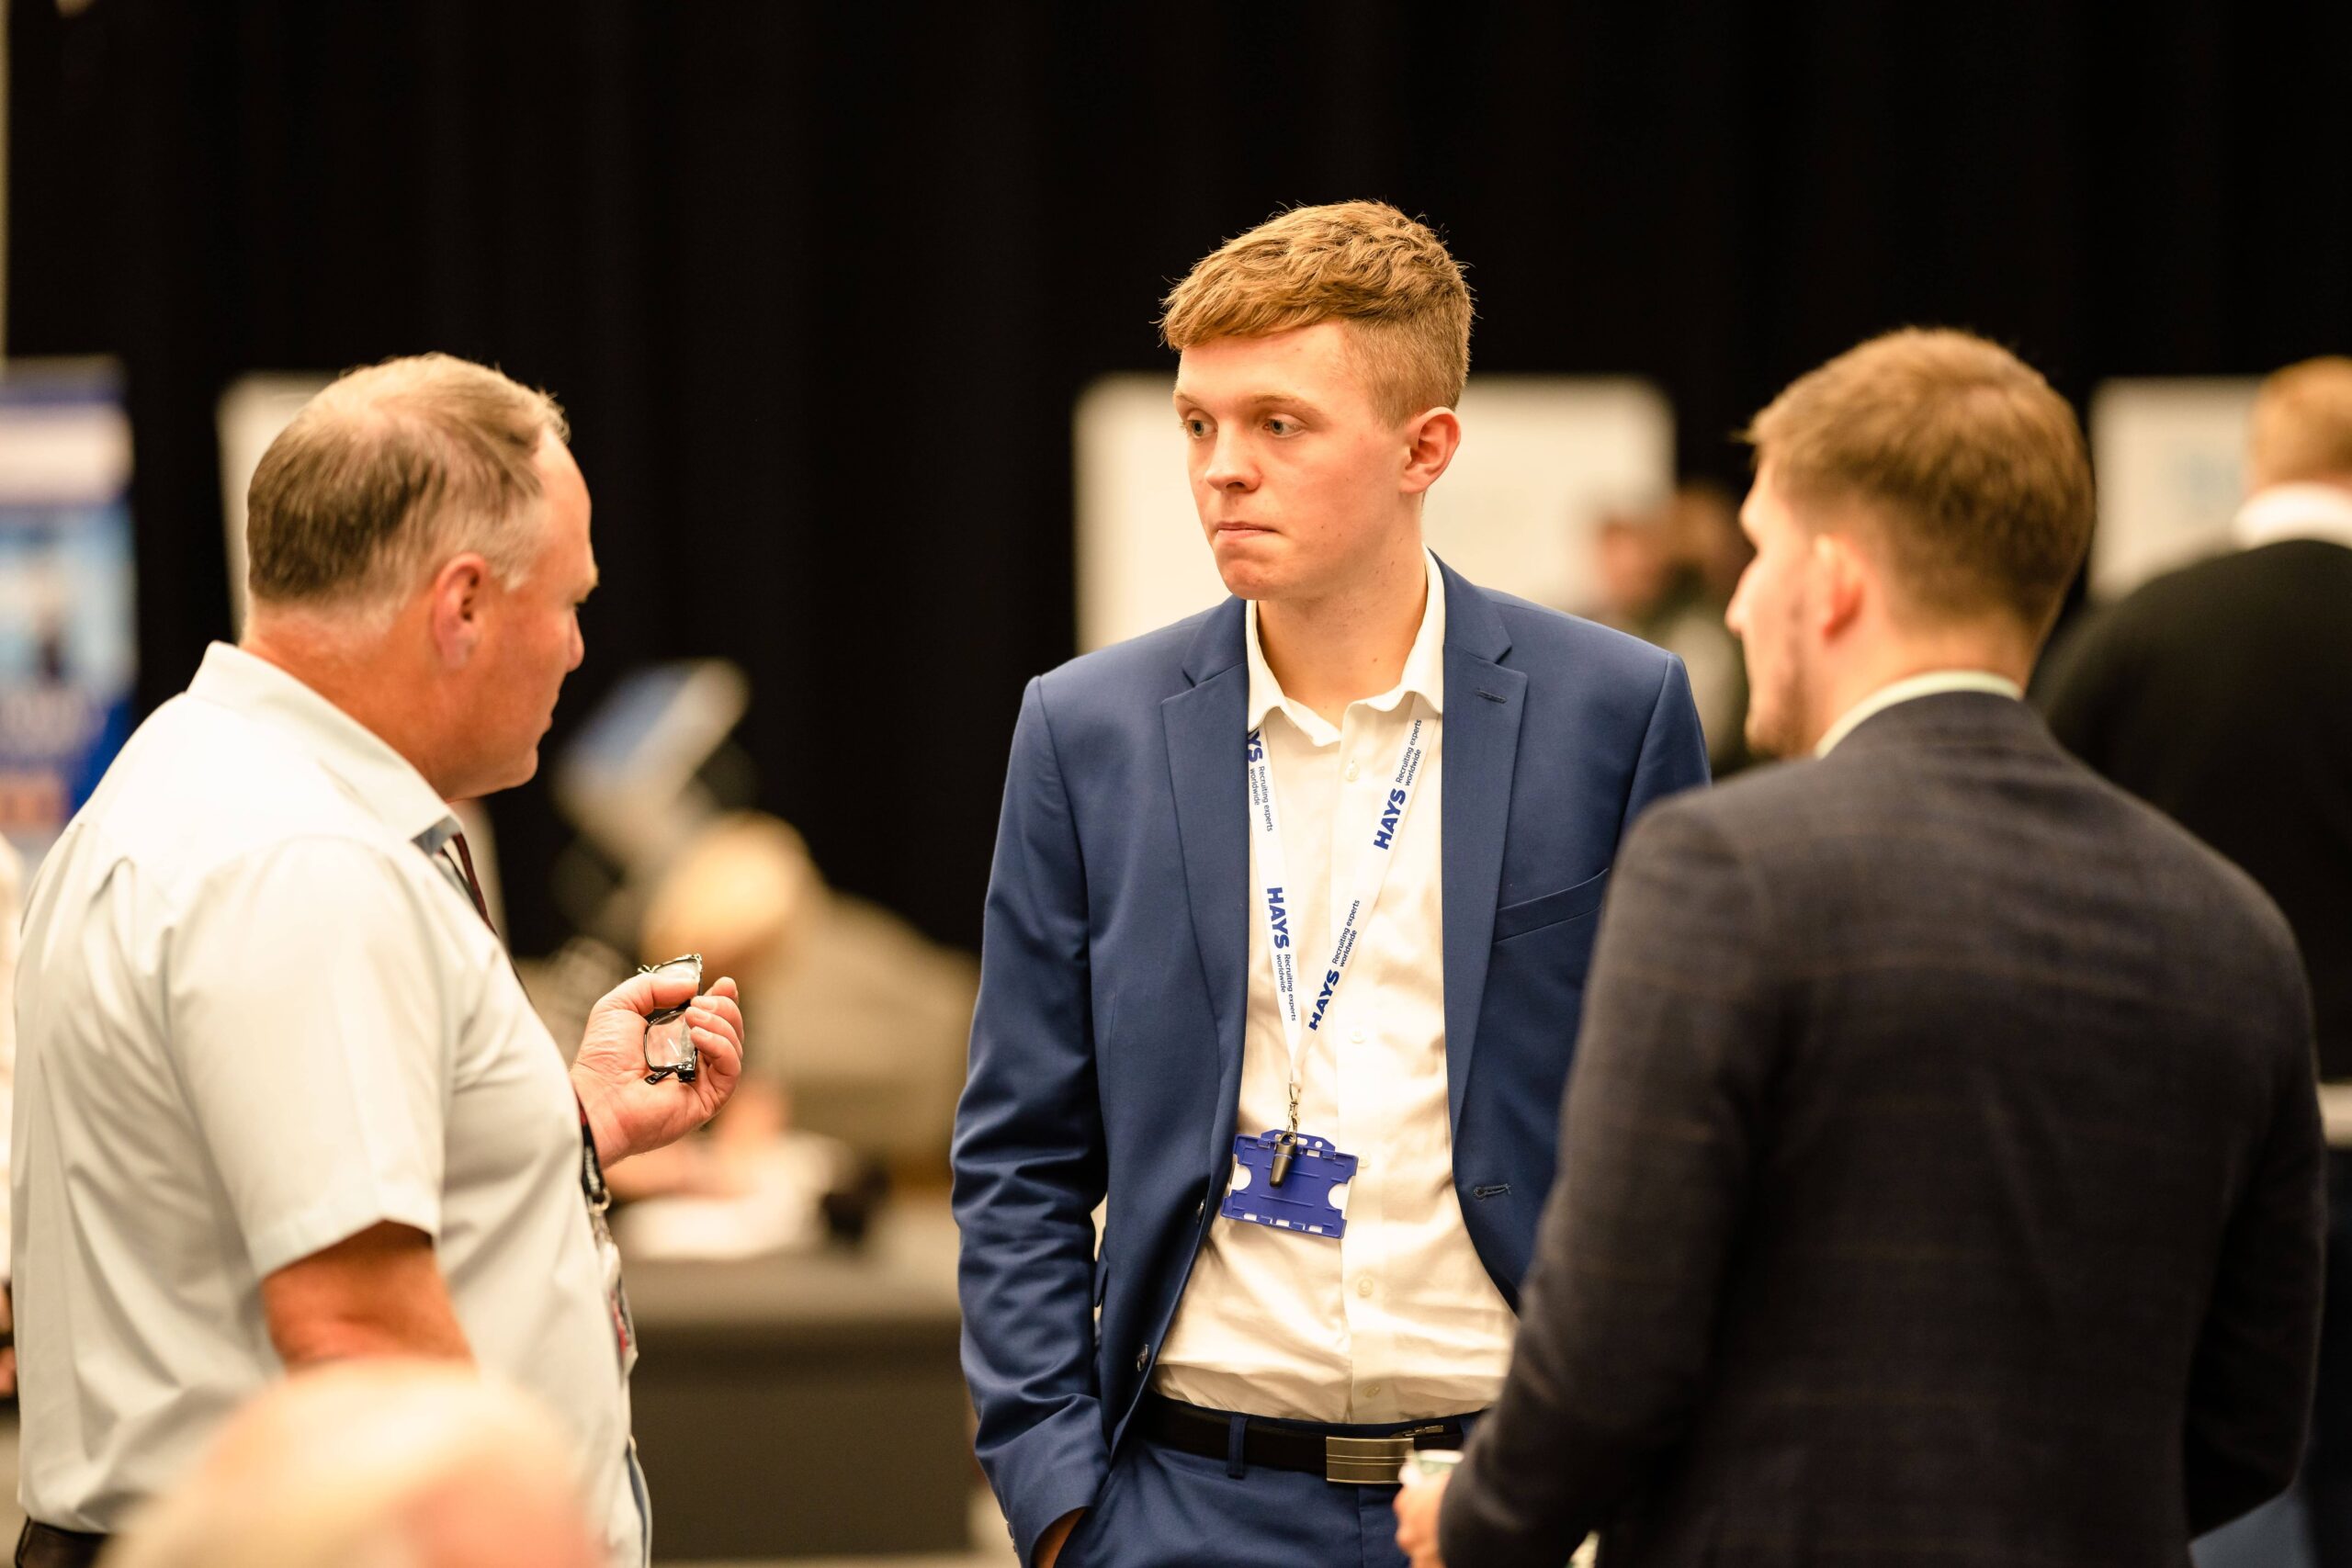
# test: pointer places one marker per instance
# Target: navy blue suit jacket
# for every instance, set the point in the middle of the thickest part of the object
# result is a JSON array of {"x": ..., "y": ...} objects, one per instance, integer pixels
[{"x": 1106, "y": 1049}]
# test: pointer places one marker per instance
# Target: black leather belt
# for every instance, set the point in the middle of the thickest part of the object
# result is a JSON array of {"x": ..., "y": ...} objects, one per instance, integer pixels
[
  {"x": 1338, "y": 1454},
  {"x": 46, "y": 1545}
]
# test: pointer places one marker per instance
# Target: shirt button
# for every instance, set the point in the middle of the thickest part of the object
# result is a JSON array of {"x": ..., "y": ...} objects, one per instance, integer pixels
[
  {"x": 1350, "y": 773},
  {"x": 1356, "y": 1035},
  {"x": 1363, "y": 1285},
  {"x": 1371, "y": 1390}
]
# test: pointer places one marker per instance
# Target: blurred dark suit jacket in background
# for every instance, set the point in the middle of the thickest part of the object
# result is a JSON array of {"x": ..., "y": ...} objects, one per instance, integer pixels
[
  {"x": 2222, "y": 695},
  {"x": 1941, "y": 1183}
]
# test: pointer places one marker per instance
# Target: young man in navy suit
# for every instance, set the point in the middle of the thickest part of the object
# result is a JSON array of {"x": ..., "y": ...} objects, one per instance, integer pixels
[{"x": 1286, "y": 946}]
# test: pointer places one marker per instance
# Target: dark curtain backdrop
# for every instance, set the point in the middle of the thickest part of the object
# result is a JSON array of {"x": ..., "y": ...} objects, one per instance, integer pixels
[{"x": 820, "y": 284}]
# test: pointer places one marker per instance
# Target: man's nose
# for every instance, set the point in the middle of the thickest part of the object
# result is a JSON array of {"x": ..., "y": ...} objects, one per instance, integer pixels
[
  {"x": 1228, "y": 465},
  {"x": 1736, "y": 612}
]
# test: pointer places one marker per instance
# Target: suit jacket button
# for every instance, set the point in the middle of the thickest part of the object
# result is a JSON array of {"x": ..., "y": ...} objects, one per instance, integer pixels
[
  {"x": 1200, "y": 1208},
  {"x": 1143, "y": 1357}
]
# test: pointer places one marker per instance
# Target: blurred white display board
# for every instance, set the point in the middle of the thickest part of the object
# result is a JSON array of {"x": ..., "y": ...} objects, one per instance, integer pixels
[
  {"x": 2170, "y": 456},
  {"x": 251, "y": 413},
  {"x": 1543, "y": 458}
]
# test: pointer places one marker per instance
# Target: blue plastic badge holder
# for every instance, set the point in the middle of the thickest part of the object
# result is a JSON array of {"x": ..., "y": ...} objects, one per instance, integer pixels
[{"x": 1303, "y": 1203}]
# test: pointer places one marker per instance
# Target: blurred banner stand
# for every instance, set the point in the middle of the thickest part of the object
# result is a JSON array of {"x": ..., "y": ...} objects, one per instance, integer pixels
[
  {"x": 2170, "y": 455},
  {"x": 1543, "y": 458},
  {"x": 68, "y": 637}
]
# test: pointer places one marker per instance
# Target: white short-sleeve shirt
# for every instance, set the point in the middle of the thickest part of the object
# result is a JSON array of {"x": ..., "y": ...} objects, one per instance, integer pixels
[{"x": 255, "y": 1016}]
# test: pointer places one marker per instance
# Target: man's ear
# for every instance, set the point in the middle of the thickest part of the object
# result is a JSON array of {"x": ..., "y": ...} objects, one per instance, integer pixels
[
  {"x": 1843, "y": 581},
  {"x": 1431, "y": 440},
  {"x": 455, "y": 607}
]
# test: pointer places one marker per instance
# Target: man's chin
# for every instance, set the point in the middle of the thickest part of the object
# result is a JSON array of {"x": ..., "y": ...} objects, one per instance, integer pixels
[
  {"x": 516, "y": 770},
  {"x": 1250, "y": 579},
  {"x": 1773, "y": 741}
]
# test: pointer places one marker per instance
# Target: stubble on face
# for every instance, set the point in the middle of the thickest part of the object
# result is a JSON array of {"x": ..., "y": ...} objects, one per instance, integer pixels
[
  {"x": 1780, "y": 696},
  {"x": 1769, "y": 617}
]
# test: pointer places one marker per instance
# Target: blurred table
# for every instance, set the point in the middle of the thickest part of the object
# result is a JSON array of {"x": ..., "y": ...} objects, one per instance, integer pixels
[{"x": 810, "y": 1404}]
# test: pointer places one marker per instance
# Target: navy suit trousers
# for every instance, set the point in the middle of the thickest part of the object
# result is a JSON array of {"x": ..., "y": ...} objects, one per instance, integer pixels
[{"x": 1164, "y": 1509}]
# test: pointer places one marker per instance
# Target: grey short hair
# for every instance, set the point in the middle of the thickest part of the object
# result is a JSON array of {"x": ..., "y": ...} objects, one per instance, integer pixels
[{"x": 391, "y": 470}]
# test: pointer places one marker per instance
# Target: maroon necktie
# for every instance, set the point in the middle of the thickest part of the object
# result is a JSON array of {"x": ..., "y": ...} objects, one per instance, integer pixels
[{"x": 473, "y": 884}]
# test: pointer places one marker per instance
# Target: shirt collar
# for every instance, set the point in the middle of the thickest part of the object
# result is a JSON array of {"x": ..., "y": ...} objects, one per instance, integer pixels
[
  {"x": 1933, "y": 683},
  {"x": 1423, "y": 676},
  {"x": 373, "y": 773},
  {"x": 2295, "y": 512}
]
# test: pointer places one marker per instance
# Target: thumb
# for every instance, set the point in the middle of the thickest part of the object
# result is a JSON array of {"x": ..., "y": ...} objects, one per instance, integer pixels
[{"x": 648, "y": 993}]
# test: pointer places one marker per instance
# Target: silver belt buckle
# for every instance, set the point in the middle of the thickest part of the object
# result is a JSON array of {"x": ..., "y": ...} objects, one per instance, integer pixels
[{"x": 1365, "y": 1461}]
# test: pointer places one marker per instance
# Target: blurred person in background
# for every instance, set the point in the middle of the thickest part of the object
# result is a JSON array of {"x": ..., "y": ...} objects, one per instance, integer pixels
[
  {"x": 853, "y": 1092},
  {"x": 878, "y": 1014},
  {"x": 1941, "y": 1166},
  {"x": 281, "y": 1098},
  {"x": 1246, "y": 1392},
  {"x": 2222, "y": 695},
  {"x": 393, "y": 1463},
  {"x": 1663, "y": 577}
]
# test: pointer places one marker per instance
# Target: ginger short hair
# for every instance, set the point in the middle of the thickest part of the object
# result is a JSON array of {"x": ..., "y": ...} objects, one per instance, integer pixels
[
  {"x": 1359, "y": 262},
  {"x": 1971, "y": 469},
  {"x": 2301, "y": 427},
  {"x": 391, "y": 469}
]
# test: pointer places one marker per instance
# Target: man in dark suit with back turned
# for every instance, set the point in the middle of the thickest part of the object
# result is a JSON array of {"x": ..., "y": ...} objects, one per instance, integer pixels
[
  {"x": 1942, "y": 1165},
  {"x": 2222, "y": 695}
]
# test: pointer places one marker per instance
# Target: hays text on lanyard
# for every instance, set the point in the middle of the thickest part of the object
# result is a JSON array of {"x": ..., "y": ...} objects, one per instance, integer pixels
[{"x": 1286, "y": 1179}]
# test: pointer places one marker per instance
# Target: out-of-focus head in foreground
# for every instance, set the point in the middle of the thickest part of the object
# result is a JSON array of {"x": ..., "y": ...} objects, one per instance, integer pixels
[
  {"x": 417, "y": 550},
  {"x": 1921, "y": 502},
  {"x": 373, "y": 1464},
  {"x": 1322, "y": 354}
]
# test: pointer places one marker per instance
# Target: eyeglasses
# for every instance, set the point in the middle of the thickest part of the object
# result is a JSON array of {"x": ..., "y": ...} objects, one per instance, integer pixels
[{"x": 669, "y": 1039}]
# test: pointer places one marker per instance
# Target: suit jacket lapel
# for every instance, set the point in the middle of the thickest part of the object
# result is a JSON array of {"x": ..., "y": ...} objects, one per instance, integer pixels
[
  {"x": 1483, "y": 701},
  {"x": 1204, "y": 727}
]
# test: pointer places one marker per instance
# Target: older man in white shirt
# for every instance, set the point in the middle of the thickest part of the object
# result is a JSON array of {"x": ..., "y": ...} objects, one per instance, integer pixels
[{"x": 281, "y": 1098}]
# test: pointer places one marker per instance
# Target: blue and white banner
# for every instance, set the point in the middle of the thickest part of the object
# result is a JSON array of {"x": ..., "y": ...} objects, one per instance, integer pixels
[{"x": 68, "y": 638}]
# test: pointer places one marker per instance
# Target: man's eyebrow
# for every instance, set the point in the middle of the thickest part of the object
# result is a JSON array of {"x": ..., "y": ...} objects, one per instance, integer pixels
[{"x": 1263, "y": 400}]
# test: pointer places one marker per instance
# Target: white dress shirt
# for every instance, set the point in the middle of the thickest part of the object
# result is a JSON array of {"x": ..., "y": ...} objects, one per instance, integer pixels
[
  {"x": 258, "y": 1016},
  {"x": 1935, "y": 682},
  {"x": 1397, "y": 1319},
  {"x": 2295, "y": 512}
]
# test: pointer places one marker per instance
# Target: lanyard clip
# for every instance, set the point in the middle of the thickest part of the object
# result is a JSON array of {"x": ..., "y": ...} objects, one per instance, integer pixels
[{"x": 1286, "y": 1147}]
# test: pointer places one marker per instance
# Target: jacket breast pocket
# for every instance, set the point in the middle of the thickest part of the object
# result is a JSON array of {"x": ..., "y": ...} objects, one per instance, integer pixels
[{"x": 1550, "y": 908}]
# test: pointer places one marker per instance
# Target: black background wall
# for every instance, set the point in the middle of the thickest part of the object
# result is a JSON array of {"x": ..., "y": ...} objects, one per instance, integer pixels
[{"x": 820, "y": 284}]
